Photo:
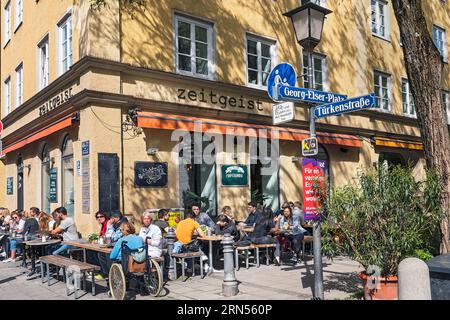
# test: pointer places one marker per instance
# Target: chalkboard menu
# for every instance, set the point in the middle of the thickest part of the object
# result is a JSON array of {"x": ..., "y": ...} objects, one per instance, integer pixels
[
  {"x": 108, "y": 180},
  {"x": 9, "y": 185},
  {"x": 53, "y": 185},
  {"x": 150, "y": 174}
]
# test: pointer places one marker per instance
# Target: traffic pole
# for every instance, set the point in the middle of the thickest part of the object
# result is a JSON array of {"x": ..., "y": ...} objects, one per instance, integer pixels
[{"x": 318, "y": 269}]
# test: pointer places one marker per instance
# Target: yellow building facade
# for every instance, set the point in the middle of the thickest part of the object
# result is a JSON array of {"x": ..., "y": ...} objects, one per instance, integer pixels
[{"x": 97, "y": 100}]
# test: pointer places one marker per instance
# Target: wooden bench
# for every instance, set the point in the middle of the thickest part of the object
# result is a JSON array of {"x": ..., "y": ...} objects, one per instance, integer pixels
[
  {"x": 182, "y": 257},
  {"x": 245, "y": 250},
  {"x": 263, "y": 246},
  {"x": 65, "y": 263}
]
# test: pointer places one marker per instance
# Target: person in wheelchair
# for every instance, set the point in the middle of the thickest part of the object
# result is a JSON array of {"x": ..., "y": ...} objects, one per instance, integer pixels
[{"x": 133, "y": 243}]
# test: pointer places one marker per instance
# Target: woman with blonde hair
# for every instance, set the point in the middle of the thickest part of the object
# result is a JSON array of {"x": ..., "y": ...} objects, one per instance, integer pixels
[{"x": 44, "y": 222}]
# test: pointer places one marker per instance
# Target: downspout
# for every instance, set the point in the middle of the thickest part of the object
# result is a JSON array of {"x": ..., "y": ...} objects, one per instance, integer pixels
[{"x": 122, "y": 153}]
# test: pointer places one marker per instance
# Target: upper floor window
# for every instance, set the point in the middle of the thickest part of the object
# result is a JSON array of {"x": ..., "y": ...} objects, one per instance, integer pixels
[
  {"x": 407, "y": 99},
  {"x": 7, "y": 95},
  {"x": 318, "y": 70},
  {"x": 65, "y": 40},
  {"x": 321, "y": 3},
  {"x": 382, "y": 84},
  {"x": 440, "y": 41},
  {"x": 18, "y": 13},
  {"x": 446, "y": 102},
  {"x": 19, "y": 85},
  {"x": 7, "y": 22},
  {"x": 194, "y": 47},
  {"x": 260, "y": 60},
  {"x": 43, "y": 63},
  {"x": 379, "y": 17}
]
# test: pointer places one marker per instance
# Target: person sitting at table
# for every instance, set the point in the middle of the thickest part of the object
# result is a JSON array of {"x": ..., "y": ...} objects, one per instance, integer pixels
[
  {"x": 34, "y": 213},
  {"x": 114, "y": 223},
  {"x": 102, "y": 220},
  {"x": 31, "y": 226},
  {"x": 288, "y": 229},
  {"x": 254, "y": 215},
  {"x": 202, "y": 217},
  {"x": 185, "y": 233},
  {"x": 226, "y": 210},
  {"x": 44, "y": 221},
  {"x": 67, "y": 229},
  {"x": 151, "y": 233},
  {"x": 133, "y": 242},
  {"x": 16, "y": 225},
  {"x": 56, "y": 221},
  {"x": 226, "y": 225},
  {"x": 162, "y": 222}
]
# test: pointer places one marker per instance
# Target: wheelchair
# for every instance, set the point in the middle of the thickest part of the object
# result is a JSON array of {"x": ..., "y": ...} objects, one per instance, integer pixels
[{"x": 122, "y": 281}]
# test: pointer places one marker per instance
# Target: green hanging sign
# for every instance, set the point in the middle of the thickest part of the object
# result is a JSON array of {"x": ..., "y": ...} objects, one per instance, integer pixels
[
  {"x": 234, "y": 175},
  {"x": 53, "y": 194},
  {"x": 9, "y": 186}
]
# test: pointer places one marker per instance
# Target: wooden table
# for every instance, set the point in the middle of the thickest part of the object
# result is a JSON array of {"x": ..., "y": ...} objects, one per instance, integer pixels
[
  {"x": 211, "y": 239},
  {"x": 38, "y": 243},
  {"x": 86, "y": 245}
]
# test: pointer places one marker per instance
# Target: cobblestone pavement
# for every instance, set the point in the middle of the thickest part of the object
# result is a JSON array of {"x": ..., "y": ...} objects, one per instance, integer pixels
[{"x": 286, "y": 282}]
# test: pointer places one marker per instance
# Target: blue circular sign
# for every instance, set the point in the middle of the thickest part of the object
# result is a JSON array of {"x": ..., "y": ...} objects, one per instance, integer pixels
[{"x": 283, "y": 74}]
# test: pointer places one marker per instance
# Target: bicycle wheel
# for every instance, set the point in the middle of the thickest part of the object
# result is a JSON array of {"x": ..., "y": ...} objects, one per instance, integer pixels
[
  {"x": 153, "y": 278},
  {"x": 117, "y": 282}
]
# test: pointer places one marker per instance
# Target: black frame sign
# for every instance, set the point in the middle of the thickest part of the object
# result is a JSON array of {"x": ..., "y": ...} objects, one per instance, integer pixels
[
  {"x": 235, "y": 175},
  {"x": 150, "y": 174},
  {"x": 9, "y": 185},
  {"x": 53, "y": 194}
]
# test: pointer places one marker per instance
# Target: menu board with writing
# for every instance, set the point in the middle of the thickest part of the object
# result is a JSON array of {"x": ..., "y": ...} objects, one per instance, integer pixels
[
  {"x": 150, "y": 174},
  {"x": 53, "y": 185}
]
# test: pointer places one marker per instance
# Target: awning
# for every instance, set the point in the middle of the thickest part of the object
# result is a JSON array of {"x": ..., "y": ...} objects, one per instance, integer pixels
[
  {"x": 41, "y": 133},
  {"x": 393, "y": 143},
  {"x": 173, "y": 122}
]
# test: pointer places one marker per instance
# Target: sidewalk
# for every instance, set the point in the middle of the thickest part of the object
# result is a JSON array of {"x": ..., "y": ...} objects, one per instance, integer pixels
[{"x": 265, "y": 283}]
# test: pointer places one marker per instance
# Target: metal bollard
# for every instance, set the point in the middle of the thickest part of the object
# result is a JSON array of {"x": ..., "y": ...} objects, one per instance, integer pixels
[
  {"x": 170, "y": 239},
  {"x": 230, "y": 284}
]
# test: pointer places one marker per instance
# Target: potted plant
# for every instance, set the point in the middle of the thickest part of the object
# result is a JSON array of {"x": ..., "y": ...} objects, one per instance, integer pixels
[
  {"x": 382, "y": 219},
  {"x": 92, "y": 238}
]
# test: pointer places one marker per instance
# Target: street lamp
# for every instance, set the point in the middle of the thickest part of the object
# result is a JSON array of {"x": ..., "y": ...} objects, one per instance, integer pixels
[{"x": 307, "y": 21}]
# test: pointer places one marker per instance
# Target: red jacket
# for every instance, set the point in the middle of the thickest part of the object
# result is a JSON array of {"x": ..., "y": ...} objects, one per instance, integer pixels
[{"x": 104, "y": 227}]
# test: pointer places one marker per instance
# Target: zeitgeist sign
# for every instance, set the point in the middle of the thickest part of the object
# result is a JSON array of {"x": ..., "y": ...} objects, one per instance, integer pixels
[{"x": 55, "y": 101}]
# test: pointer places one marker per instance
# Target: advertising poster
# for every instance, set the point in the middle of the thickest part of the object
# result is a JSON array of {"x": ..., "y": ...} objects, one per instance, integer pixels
[
  {"x": 175, "y": 216},
  {"x": 314, "y": 179}
]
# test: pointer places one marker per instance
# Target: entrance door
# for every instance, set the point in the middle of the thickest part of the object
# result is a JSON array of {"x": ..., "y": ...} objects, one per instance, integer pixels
[
  {"x": 20, "y": 184},
  {"x": 108, "y": 182}
]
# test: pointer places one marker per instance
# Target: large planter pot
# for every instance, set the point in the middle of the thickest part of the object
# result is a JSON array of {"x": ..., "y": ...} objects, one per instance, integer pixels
[{"x": 387, "y": 288}]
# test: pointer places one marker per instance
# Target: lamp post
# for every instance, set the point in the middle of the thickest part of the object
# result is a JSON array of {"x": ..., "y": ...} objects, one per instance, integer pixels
[{"x": 308, "y": 20}]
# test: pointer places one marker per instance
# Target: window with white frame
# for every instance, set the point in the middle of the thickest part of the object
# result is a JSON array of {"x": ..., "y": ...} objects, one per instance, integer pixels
[
  {"x": 7, "y": 22},
  {"x": 440, "y": 41},
  {"x": 446, "y": 102},
  {"x": 318, "y": 70},
  {"x": 43, "y": 55},
  {"x": 18, "y": 18},
  {"x": 19, "y": 85},
  {"x": 379, "y": 17},
  {"x": 407, "y": 99},
  {"x": 318, "y": 2},
  {"x": 65, "y": 47},
  {"x": 7, "y": 86},
  {"x": 260, "y": 60},
  {"x": 194, "y": 47},
  {"x": 382, "y": 91}
]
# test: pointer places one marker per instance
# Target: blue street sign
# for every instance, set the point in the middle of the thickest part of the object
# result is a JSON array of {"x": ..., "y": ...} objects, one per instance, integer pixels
[
  {"x": 336, "y": 108},
  {"x": 282, "y": 74},
  {"x": 289, "y": 93}
]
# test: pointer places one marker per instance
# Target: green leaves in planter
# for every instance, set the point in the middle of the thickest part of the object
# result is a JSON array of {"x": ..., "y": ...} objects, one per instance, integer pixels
[{"x": 383, "y": 218}]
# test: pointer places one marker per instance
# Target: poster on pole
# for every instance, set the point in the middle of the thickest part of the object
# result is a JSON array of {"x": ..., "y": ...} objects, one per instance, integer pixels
[{"x": 314, "y": 179}]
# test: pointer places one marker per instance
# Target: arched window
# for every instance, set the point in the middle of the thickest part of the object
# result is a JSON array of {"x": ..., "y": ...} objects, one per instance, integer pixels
[
  {"x": 68, "y": 174},
  {"x": 45, "y": 179},
  {"x": 20, "y": 183}
]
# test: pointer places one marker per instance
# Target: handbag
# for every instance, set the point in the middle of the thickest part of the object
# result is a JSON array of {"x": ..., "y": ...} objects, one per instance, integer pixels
[
  {"x": 193, "y": 246},
  {"x": 134, "y": 266}
]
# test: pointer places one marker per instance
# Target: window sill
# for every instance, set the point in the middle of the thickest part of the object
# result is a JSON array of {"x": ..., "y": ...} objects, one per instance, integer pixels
[
  {"x": 381, "y": 37},
  {"x": 18, "y": 26},
  {"x": 198, "y": 76},
  {"x": 255, "y": 86},
  {"x": 383, "y": 111},
  {"x": 409, "y": 116},
  {"x": 6, "y": 44}
]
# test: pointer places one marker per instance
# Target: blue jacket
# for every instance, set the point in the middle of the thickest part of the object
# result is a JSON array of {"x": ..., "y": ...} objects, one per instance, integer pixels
[
  {"x": 133, "y": 242},
  {"x": 204, "y": 219},
  {"x": 253, "y": 218}
]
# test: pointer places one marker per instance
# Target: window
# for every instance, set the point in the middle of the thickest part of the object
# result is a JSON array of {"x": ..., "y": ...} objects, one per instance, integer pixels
[
  {"x": 65, "y": 40},
  {"x": 382, "y": 91},
  {"x": 18, "y": 13},
  {"x": 319, "y": 71},
  {"x": 68, "y": 191},
  {"x": 194, "y": 48},
  {"x": 379, "y": 17},
  {"x": 7, "y": 19},
  {"x": 7, "y": 96},
  {"x": 446, "y": 102},
  {"x": 43, "y": 63},
  {"x": 407, "y": 99},
  {"x": 260, "y": 60},
  {"x": 318, "y": 2},
  {"x": 440, "y": 41},
  {"x": 19, "y": 85}
]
